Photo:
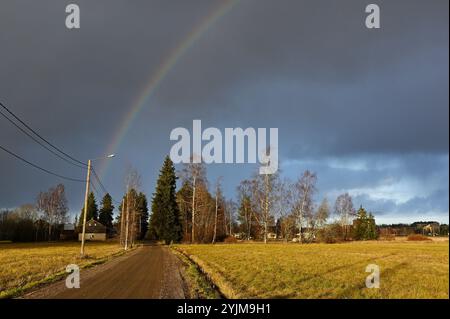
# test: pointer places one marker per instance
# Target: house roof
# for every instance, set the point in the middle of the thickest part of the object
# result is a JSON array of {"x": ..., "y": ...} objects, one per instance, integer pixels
[{"x": 94, "y": 226}]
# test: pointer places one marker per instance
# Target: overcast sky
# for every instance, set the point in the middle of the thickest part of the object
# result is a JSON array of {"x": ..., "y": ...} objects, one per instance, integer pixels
[{"x": 367, "y": 110}]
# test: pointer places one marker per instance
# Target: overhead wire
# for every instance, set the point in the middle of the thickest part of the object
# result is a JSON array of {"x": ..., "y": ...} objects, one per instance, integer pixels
[
  {"x": 40, "y": 137},
  {"x": 39, "y": 167}
]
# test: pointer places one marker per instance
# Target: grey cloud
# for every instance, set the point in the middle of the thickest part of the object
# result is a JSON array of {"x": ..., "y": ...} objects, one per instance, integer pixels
[{"x": 333, "y": 88}]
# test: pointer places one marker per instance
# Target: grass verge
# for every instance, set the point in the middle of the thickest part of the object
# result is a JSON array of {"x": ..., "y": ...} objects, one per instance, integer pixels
[{"x": 200, "y": 287}]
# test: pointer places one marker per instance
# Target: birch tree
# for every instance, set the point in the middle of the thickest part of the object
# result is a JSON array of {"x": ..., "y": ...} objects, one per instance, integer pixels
[
  {"x": 132, "y": 183},
  {"x": 53, "y": 205},
  {"x": 263, "y": 191},
  {"x": 343, "y": 208},
  {"x": 194, "y": 174},
  {"x": 304, "y": 189},
  {"x": 246, "y": 214},
  {"x": 218, "y": 197},
  {"x": 283, "y": 207}
]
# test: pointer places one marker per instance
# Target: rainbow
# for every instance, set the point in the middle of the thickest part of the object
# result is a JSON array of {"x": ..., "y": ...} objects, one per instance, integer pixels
[{"x": 162, "y": 71}]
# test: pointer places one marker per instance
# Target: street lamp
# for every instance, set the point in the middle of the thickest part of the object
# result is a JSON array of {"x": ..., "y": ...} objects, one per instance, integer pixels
[{"x": 86, "y": 198}]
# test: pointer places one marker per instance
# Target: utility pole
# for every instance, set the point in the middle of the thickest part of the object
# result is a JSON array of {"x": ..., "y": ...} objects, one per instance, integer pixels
[
  {"x": 86, "y": 199},
  {"x": 85, "y": 207}
]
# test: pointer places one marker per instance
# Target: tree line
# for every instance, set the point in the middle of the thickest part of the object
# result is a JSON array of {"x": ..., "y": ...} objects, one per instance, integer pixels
[
  {"x": 193, "y": 213},
  {"x": 41, "y": 221},
  {"x": 267, "y": 207}
]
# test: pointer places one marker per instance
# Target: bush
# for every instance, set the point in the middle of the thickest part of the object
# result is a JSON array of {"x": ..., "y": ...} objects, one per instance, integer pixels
[
  {"x": 332, "y": 233},
  {"x": 418, "y": 237},
  {"x": 388, "y": 237},
  {"x": 230, "y": 240},
  {"x": 387, "y": 234}
]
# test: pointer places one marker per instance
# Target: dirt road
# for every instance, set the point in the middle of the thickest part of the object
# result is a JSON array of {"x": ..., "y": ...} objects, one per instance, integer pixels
[{"x": 148, "y": 272}]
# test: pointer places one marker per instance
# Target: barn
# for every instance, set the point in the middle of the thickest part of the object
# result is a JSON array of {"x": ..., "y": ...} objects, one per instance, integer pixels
[{"x": 95, "y": 231}]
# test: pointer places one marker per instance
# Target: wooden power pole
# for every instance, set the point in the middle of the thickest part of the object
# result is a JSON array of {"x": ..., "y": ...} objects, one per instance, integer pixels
[{"x": 85, "y": 207}]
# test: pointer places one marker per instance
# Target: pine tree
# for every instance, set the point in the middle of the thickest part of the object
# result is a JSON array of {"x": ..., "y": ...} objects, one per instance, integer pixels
[
  {"x": 165, "y": 220},
  {"x": 92, "y": 210},
  {"x": 106, "y": 212}
]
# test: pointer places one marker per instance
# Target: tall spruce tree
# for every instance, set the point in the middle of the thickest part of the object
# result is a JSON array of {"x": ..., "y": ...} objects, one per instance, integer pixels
[
  {"x": 106, "y": 213},
  {"x": 360, "y": 225},
  {"x": 92, "y": 210},
  {"x": 142, "y": 208},
  {"x": 372, "y": 228},
  {"x": 165, "y": 220},
  {"x": 364, "y": 227}
]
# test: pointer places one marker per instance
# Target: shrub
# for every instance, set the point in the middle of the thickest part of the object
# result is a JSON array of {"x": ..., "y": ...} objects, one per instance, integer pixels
[
  {"x": 230, "y": 240},
  {"x": 388, "y": 237},
  {"x": 332, "y": 233},
  {"x": 387, "y": 234},
  {"x": 418, "y": 237}
]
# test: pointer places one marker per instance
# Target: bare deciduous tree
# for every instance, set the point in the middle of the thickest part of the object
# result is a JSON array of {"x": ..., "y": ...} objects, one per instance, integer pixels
[
  {"x": 246, "y": 210},
  {"x": 343, "y": 208},
  {"x": 283, "y": 207},
  {"x": 132, "y": 182},
  {"x": 264, "y": 196},
  {"x": 304, "y": 190},
  {"x": 323, "y": 212},
  {"x": 195, "y": 174},
  {"x": 218, "y": 196},
  {"x": 53, "y": 204},
  {"x": 229, "y": 212}
]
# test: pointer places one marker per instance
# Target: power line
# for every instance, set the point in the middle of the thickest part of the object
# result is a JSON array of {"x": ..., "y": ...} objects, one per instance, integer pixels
[
  {"x": 95, "y": 190},
  {"x": 98, "y": 180},
  {"x": 43, "y": 139},
  {"x": 40, "y": 168},
  {"x": 102, "y": 186},
  {"x": 37, "y": 141}
]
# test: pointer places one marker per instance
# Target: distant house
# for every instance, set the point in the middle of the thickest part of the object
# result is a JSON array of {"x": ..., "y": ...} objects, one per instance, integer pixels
[
  {"x": 95, "y": 231},
  {"x": 431, "y": 229}
]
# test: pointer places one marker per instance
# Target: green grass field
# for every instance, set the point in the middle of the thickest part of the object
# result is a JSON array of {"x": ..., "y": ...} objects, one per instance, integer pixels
[
  {"x": 407, "y": 269},
  {"x": 22, "y": 266}
]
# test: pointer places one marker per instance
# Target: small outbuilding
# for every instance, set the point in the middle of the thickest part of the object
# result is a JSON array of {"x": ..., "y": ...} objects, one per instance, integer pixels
[
  {"x": 68, "y": 232},
  {"x": 95, "y": 231},
  {"x": 271, "y": 235}
]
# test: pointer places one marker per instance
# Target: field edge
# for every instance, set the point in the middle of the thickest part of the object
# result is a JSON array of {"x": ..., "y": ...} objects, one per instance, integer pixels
[{"x": 217, "y": 282}]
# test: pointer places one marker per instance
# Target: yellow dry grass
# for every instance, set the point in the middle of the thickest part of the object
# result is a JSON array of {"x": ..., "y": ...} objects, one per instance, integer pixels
[
  {"x": 24, "y": 264},
  {"x": 408, "y": 269}
]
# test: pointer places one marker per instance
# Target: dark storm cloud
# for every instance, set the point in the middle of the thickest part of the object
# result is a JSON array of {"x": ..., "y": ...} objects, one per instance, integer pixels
[
  {"x": 325, "y": 74},
  {"x": 341, "y": 95}
]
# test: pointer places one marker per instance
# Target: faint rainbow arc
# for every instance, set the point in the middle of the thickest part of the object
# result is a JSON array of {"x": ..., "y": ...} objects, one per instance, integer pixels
[{"x": 162, "y": 72}]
